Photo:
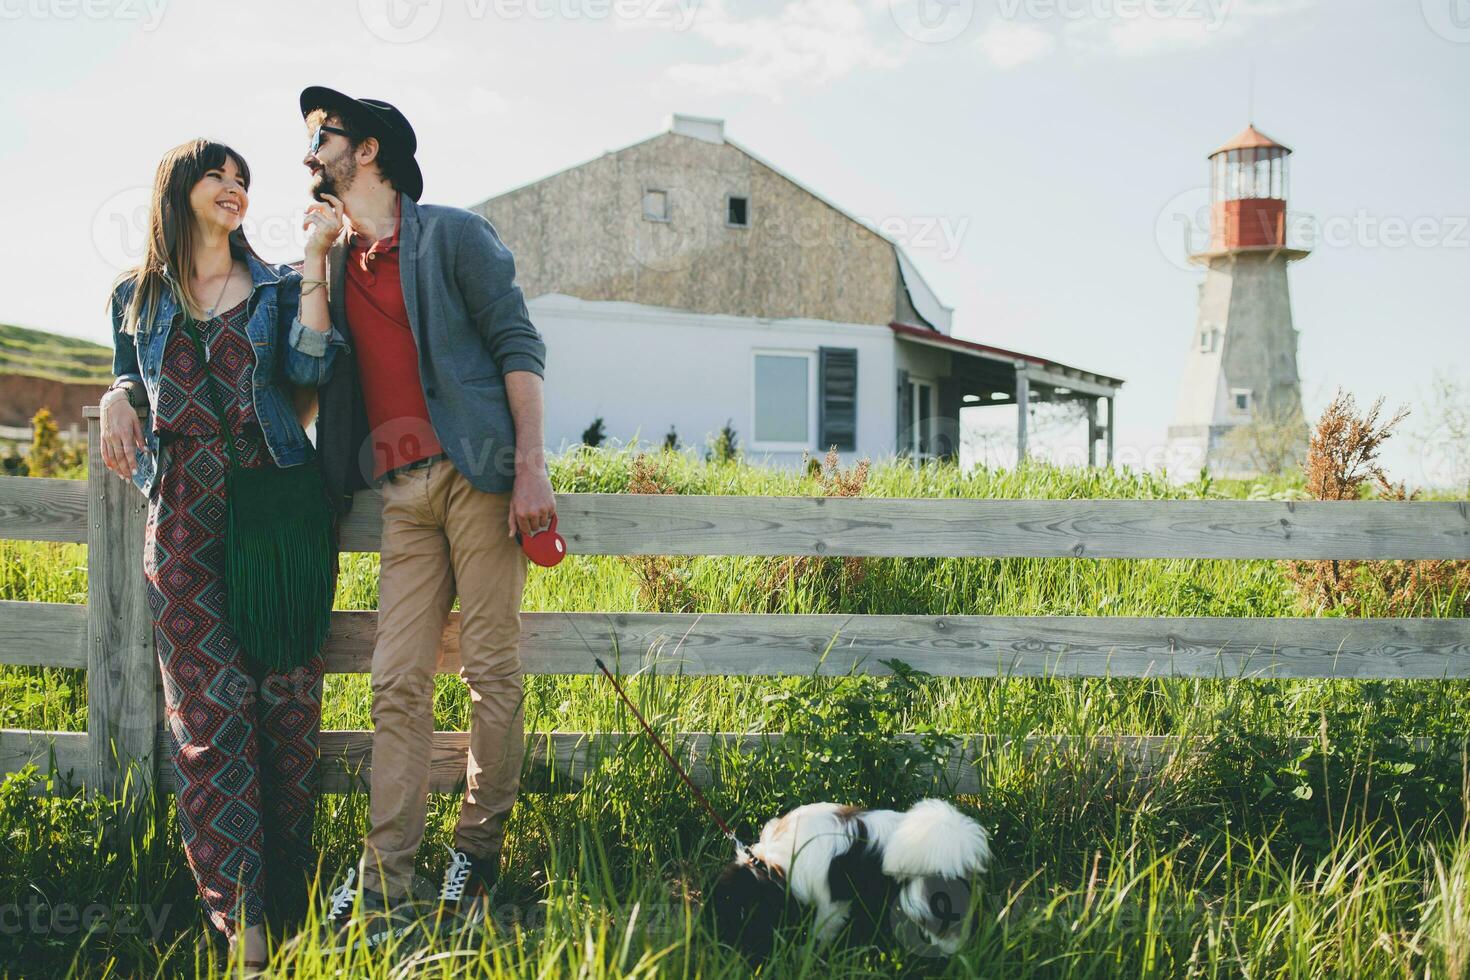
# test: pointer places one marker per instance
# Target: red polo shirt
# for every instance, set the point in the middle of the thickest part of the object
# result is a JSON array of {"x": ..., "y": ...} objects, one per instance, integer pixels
[{"x": 387, "y": 356}]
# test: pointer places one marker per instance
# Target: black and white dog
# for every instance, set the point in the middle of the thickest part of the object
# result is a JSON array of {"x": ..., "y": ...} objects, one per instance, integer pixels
[{"x": 867, "y": 869}]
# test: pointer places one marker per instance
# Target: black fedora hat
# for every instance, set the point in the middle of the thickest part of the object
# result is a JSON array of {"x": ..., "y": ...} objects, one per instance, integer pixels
[{"x": 376, "y": 118}]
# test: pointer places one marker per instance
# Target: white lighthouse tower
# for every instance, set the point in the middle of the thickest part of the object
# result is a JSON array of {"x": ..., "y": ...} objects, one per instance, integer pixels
[{"x": 1241, "y": 365}]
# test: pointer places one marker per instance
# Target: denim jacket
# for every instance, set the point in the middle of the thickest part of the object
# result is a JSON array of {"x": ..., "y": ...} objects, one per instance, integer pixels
[{"x": 285, "y": 350}]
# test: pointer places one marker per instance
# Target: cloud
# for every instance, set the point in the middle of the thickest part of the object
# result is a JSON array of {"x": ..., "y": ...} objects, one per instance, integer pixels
[
  {"x": 806, "y": 41},
  {"x": 1006, "y": 44},
  {"x": 1024, "y": 30},
  {"x": 813, "y": 42}
]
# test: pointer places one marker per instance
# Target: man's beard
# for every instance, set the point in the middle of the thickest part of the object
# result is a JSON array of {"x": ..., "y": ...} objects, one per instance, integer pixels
[{"x": 327, "y": 182}]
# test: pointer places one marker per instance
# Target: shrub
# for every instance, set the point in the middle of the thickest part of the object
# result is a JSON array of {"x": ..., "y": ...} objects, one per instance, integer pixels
[
  {"x": 594, "y": 433},
  {"x": 725, "y": 446},
  {"x": 663, "y": 581},
  {"x": 826, "y": 579},
  {"x": 1342, "y": 459}
]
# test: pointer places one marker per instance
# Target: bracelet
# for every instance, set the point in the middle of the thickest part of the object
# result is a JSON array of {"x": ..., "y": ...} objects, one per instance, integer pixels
[
  {"x": 307, "y": 285},
  {"x": 135, "y": 393}
]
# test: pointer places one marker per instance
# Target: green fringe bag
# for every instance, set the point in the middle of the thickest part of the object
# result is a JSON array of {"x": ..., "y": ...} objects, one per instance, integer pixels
[{"x": 280, "y": 557}]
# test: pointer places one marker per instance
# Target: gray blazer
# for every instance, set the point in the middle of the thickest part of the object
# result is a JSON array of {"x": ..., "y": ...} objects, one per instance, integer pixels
[{"x": 471, "y": 326}]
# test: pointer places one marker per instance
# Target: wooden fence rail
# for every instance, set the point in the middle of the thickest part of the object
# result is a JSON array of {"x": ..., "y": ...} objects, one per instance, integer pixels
[{"x": 111, "y": 635}]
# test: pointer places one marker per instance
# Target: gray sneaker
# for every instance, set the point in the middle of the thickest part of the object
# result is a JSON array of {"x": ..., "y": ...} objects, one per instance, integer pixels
[
  {"x": 467, "y": 890},
  {"x": 359, "y": 916}
]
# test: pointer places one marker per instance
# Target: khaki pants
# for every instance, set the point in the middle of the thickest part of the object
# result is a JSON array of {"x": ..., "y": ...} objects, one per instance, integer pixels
[{"x": 442, "y": 536}]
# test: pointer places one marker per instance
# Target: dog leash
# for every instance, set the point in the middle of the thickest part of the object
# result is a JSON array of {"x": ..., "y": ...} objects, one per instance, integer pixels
[
  {"x": 698, "y": 795},
  {"x": 740, "y": 846}
]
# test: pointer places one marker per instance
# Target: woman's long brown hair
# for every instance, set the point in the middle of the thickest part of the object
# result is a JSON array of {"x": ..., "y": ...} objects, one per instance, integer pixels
[{"x": 171, "y": 228}]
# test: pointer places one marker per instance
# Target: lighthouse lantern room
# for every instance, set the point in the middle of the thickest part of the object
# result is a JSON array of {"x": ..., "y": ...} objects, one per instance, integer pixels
[{"x": 1248, "y": 187}]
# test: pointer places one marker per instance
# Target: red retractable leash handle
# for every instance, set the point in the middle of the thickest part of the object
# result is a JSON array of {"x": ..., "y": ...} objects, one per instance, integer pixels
[{"x": 545, "y": 548}]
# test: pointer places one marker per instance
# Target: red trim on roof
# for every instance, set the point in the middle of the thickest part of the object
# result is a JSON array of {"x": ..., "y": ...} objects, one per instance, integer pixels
[
  {"x": 948, "y": 341},
  {"x": 933, "y": 336}
]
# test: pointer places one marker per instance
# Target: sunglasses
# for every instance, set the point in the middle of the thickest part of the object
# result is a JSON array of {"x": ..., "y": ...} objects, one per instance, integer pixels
[{"x": 316, "y": 137}]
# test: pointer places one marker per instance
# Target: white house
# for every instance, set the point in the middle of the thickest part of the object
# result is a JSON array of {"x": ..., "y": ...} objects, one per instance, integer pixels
[{"x": 684, "y": 283}]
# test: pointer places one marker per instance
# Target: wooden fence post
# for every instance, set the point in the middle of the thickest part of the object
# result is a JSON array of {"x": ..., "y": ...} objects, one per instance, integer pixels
[{"x": 123, "y": 702}]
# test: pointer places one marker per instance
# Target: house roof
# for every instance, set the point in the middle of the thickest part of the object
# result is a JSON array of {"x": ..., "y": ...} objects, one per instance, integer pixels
[
  {"x": 921, "y": 294},
  {"x": 993, "y": 353},
  {"x": 925, "y": 302},
  {"x": 1249, "y": 138}
]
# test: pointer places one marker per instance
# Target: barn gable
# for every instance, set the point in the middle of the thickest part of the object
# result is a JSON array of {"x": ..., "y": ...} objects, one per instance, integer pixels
[{"x": 690, "y": 220}]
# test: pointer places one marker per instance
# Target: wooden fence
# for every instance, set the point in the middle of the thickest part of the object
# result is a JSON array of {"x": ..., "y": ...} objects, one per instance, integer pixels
[{"x": 111, "y": 636}]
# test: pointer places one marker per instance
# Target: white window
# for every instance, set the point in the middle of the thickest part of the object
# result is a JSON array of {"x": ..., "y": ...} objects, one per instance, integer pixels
[
  {"x": 919, "y": 440},
  {"x": 1240, "y": 399},
  {"x": 784, "y": 407},
  {"x": 656, "y": 205},
  {"x": 1209, "y": 340}
]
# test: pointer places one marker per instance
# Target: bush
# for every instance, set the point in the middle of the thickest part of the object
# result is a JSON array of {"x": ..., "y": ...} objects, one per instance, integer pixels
[
  {"x": 594, "y": 433},
  {"x": 1342, "y": 460},
  {"x": 725, "y": 446}
]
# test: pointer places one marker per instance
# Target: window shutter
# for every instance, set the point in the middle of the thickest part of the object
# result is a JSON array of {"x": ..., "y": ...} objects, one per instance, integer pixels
[
  {"x": 837, "y": 414},
  {"x": 905, "y": 433}
]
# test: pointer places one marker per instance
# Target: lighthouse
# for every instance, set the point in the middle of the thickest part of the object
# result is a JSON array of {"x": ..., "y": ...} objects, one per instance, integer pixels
[{"x": 1239, "y": 410}]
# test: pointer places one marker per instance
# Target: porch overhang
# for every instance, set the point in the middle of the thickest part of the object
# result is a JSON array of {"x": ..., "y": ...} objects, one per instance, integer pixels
[{"x": 983, "y": 375}]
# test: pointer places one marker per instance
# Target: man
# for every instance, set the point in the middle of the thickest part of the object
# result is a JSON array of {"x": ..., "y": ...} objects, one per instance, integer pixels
[{"x": 439, "y": 404}]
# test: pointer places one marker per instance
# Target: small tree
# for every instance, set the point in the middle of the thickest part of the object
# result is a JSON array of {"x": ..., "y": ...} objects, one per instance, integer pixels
[
  {"x": 824, "y": 579},
  {"x": 1444, "y": 442},
  {"x": 664, "y": 582},
  {"x": 671, "y": 439},
  {"x": 724, "y": 447},
  {"x": 1341, "y": 460},
  {"x": 47, "y": 456},
  {"x": 594, "y": 433},
  {"x": 12, "y": 463},
  {"x": 1271, "y": 443}
]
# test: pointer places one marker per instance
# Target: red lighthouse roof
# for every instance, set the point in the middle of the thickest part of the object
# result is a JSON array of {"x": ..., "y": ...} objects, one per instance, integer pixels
[{"x": 1249, "y": 138}]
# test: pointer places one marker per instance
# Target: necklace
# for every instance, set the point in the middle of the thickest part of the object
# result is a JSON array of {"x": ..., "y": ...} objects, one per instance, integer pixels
[
  {"x": 209, "y": 313},
  {"x": 219, "y": 299}
]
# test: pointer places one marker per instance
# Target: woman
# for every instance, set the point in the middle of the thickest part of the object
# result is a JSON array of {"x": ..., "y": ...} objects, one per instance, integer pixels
[{"x": 245, "y": 738}]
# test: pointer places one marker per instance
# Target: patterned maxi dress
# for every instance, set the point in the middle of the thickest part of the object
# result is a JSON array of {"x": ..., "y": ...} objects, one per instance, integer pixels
[{"x": 244, "y": 740}]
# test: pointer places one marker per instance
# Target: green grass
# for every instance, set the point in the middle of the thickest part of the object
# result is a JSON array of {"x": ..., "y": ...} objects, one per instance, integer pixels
[
  {"x": 47, "y": 355},
  {"x": 1261, "y": 855}
]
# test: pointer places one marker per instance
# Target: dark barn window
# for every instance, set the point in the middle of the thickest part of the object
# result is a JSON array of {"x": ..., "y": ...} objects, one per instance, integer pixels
[{"x": 737, "y": 212}]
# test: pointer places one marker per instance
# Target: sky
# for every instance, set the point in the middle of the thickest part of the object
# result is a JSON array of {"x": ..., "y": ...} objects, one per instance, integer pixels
[{"x": 1041, "y": 161}]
